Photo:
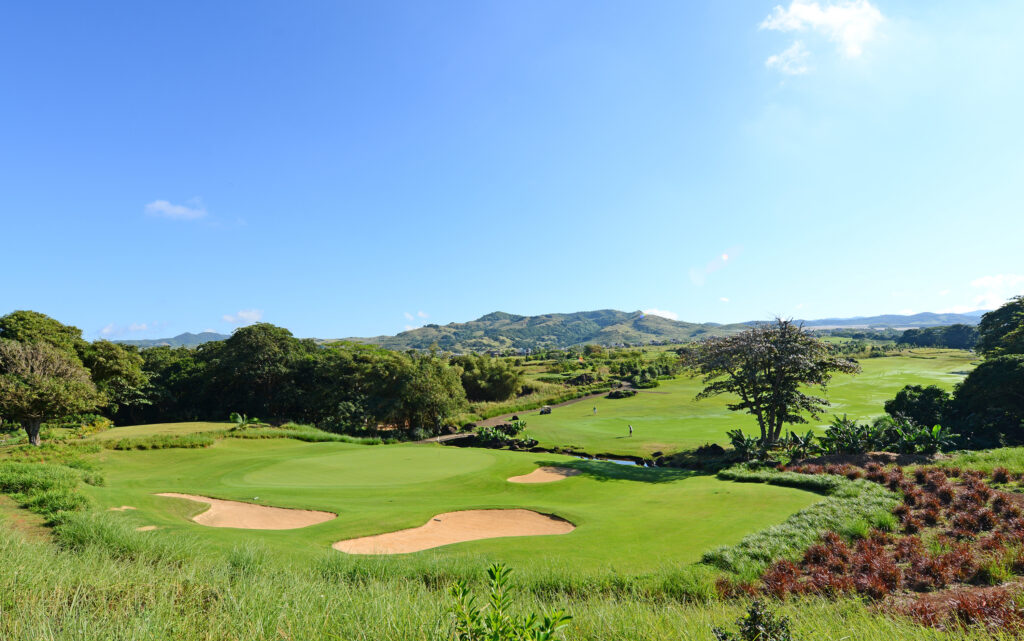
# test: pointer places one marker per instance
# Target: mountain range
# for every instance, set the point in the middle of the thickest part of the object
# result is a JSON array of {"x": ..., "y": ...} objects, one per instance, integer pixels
[{"x": 500, "y": 330}]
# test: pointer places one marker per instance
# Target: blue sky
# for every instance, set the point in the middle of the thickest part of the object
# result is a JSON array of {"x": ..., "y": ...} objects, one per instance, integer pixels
[{"x": 354, "y": 168}]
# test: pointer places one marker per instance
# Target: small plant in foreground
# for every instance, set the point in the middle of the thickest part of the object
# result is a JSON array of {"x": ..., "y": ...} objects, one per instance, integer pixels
[
  {"x": 495, "y": 621},
  {"x": 759, "y": 624}
]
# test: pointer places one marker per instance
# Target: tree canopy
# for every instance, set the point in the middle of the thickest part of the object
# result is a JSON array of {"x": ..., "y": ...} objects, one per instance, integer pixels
[
  {"x": 39, "y": 381},
  {"x": 768, "y": 367},
  {"x": 1001, "y": 331}
]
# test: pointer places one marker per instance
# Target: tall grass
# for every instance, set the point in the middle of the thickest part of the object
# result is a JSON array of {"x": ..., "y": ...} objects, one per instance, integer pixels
[
  {"x": 847, "y": 503},
  {"x": 306, "y": 433},
  {"x": 100, "y": 593},
  {"x": 161, "y": 442},
  {"x": 45, "y": 488}
]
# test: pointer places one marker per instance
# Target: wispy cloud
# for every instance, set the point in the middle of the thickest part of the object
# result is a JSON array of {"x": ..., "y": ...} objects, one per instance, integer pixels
[
  {"x": 990, "y": 292},
  {"x": 661, "y": 312},
  {"x": 422, "y": 314},
  {"x": 192, "y": 210},
  {"x": 244, "y": 317},
  {"x": 113, "y": 330},
  {"x": 724, "y": 299},
  {"x": 849, "y": 24},
  {"x": 792, "y": 61}
]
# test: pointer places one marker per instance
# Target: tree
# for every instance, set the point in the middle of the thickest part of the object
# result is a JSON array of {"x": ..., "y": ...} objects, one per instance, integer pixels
[
  {"x": 926, "y": 406},
  {"x": 488, "y": 379},
  {"x": 26, "y": 326},
  {"x": 768, "y": 366},
  {"x": 989, "y": 404},
  {"x": 431, "y": 394},
  {"x": 1001, "y": 331},
  {"x": 117, "y": 372},
  {"x": 40, "y": 382}
]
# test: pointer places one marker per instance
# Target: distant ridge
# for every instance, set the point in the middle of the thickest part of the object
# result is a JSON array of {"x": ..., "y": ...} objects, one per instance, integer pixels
[
  {"x": 886, "y": 321},
  {"x": 609, "y": 327},
  {"x": 187, "y": 339}
]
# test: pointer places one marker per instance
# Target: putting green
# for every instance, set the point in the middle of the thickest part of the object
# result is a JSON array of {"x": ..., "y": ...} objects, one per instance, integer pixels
[
  {"x": 626, "y": 518},
  {"x": 668, "y": 419}
]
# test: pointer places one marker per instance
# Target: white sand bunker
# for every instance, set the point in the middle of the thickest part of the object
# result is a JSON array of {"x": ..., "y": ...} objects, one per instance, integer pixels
[
  {"x": 145, "y": 528},
  {"x": 457, "y": 527},
  {"x": 121, "y": 509},
  {"x": 249, "y": 516},
  {"x": 545, "y": 474}
]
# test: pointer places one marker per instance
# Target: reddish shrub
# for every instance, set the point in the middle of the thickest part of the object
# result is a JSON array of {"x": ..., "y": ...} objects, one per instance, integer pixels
[
  {"x": 986, "y": 519},
  {"x": 930, "y": 516},
  {"x": 945, "y": 493},
  {"x": 902, "y": 511},
  {"x": 991, "y": 608},
  {"x": 953, "y": 472},
  {"x": 1000, "y": 475},
  {"x": 966, "y": 521},
  {"x": 781, "y": 579},
  {"x": 1000, "y": 503},
  {"x": 912, "y": 525},
  {"x": 911, "y": 494}
]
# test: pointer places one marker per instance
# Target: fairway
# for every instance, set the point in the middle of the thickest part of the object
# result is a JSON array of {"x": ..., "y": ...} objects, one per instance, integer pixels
[
  {"x": 668, "y": 419},
  {"x": 625, "y": 518}
]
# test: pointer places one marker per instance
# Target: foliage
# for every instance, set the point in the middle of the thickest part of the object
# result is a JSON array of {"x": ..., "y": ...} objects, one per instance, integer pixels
[
  {"x": 846, "y": 501},
  {"x": 920, "y": 405},
  {"x": 621, "y": 393},
  {"x": 40, "y": 382},
  {"x": 161, "y": 442},
  {"x": 32, "y": 327},
  {"x": 758, "y": 624},
  {"x": 504, "y": 435},
  {"x": 846, "y": 436},
  {"x": 495, "y": 620},
  {"x": 747, "y": 447},
  {"x": 767, "y": 367},
  {"x": 798, "y": 447},
  {"x": 1001, "y": 331},
  {"x": 241, "y": 420},
  {"x": 488, "y": 379},
  {"x": 117, "y": 372},
  {"x": 957, "y": 336},
  {"x": 44, "y": 488},
  {"x": 988, "y": 405}
]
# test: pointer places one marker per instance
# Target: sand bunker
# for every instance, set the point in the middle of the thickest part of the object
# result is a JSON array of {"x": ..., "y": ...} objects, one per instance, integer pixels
[
  {"x": 145, "y": 528},
  {"x": 545, "y": 474},
  {"x": 121, "y": 509},
  {"x": 249, "y": 516},
  {"x": 457, "y": 527}
]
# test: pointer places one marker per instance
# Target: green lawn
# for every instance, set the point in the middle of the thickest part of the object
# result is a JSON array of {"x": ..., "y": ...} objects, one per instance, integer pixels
[
  {"x": 628, "y": 519},
  {"x": 667, "y": 418}
]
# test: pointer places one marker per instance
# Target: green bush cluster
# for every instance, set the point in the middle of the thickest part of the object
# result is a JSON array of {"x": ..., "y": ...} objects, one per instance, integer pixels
[
  {"x": 44, "y": 488},
  {"x": 161, "y": 442}
]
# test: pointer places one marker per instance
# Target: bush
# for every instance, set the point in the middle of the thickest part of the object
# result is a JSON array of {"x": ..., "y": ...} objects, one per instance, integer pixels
[
  {"x": 161, "y": 442},
  {"x": 494, "y": 621},
  {"x": 759, "y": 624},
  {"x": 621, "y": 393}
]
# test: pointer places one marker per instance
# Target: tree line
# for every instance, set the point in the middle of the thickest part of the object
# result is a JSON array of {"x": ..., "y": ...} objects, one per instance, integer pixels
[{"x": 48, "y": 371}]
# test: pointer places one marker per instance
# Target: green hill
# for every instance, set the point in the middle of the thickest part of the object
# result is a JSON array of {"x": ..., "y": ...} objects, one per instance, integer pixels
[{"x": 500, "y": 330}]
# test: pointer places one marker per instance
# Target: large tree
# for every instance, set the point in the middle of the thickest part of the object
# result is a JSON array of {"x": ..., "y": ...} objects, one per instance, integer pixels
[
  {"x": 768, "y": 367},
  {"x": 989, "y": 404},
  {"x": 117, "y": 372},
  {"x": 1002, "y": 330},
  {"x": 40, "y": 382},
  {"x": 26, "y": 326}
]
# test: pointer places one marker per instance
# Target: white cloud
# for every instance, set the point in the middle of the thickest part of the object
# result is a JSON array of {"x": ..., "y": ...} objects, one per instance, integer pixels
[
  {"x": 850, "y": 24},
  {"x": 422, "y": 314},
  {"x": 944, "y": 292},
  {"x": 109, "y": 330},
  {"x": 792, "y": 61},
  {"x": 409, "y": 316},
  {"x": 244, "y": 317},
  {"x": 209, "y": 330},
  {"x": 138, "y": 327},
  {"x": 724, "y": 299},
  {"x": 165, "y": 209},
  {"x": 661, "y": 312},
  {"x": 409, "y": 328},
  {"x": 997, "y": 289}
]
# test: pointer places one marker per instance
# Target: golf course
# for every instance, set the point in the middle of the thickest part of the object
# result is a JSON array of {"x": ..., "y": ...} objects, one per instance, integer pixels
[
  {"x": 626, "y": 518},
  {"x": 668, "y": 418}
]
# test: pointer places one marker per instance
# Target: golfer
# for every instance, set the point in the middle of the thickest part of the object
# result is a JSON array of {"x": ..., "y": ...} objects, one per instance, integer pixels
[{"x": 631, "y": 430}]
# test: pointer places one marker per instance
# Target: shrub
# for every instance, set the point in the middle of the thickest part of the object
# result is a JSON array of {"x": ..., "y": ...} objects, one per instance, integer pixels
[
  {"x": 161, "y": 442},
  {"x": 621, "y": 393},
  {"x": 494, "y": 621},
  {"x": 759, "y": 624}
]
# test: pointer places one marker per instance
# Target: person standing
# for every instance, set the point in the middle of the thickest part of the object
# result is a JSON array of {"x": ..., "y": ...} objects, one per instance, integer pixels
[
  {"x": 595, "y": 410},
  {"x": 631, "y": 430}
]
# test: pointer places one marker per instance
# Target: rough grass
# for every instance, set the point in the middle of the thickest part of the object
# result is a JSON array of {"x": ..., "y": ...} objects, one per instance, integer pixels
[
  {"x": 847, "y": 504},
  {"x": 161, "y": 442}
]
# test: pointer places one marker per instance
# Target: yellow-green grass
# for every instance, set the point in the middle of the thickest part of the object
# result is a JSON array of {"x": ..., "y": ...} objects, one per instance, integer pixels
[
  {"x": 667, "y": 418},
  {"x": 628, "y": 519},
  {"x": 160, "y": 429}
]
